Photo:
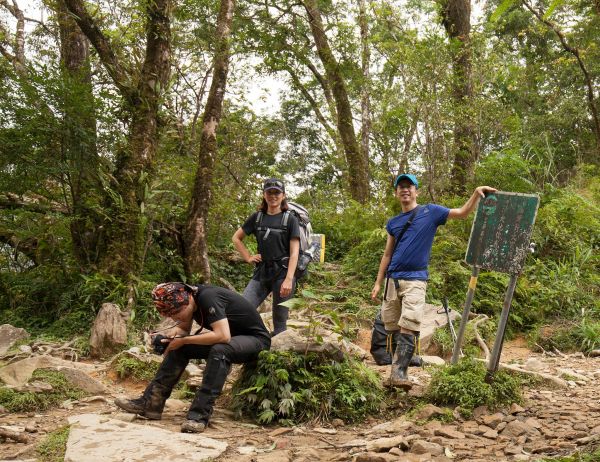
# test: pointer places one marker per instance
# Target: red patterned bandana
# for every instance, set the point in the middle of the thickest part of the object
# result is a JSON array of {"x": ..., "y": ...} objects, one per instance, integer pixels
[{"x": 170, "y": 297}]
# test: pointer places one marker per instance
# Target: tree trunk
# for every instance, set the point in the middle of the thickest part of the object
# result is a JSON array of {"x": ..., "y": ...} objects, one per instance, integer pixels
[
  {"x": 365, "y": 104},
  {"x": 125, "y": 233},
  {"x": 357, "y": 166},
  {"x": 457, "y": 21},
  {"x": 80, "y": 141},
  {"x": 17, "y": 58},
  {"x": 195, "y": 234}
]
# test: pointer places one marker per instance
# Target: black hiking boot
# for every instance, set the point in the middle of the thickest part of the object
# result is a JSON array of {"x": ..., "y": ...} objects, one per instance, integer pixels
[
  {"x": 401, "y": 360},
  {"x": 193, "y": 426},
  {"x": 149, "y": 405}
]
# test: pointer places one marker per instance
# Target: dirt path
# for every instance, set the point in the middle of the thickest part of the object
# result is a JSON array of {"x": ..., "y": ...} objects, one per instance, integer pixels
[{"x": 550, "y": 422}]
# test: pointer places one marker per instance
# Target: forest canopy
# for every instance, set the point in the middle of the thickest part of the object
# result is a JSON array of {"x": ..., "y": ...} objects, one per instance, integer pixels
[{"x": 134, "y": 140}]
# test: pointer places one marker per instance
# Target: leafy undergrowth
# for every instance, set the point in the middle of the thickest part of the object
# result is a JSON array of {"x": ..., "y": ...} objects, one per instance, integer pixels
[
  {"x": 442, "y": 342},
  {"x": 292, "y": 388},
  {"x": 62, "y": 389},
  {"x": 128, "y": 367},
  {"x": 54, "y": 446},
  {"x": 582, "y": 336},
  {"x": 577, "y": 457},
  {"x": 463, "y": 384}
]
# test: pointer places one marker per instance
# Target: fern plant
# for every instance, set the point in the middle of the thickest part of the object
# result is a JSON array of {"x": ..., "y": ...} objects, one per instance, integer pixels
[{"x": 290, "y": 388}]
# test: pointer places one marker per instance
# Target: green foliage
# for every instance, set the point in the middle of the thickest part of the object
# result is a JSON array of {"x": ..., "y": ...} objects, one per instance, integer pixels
[
  {"x": 345, "y": 229},
  {"x": 579, "y": 456},
  {"x": 572, "y": 336},
  {"x": 54, "y": 446},
  {"x": 442, "y": 338},
  {"x": 363, "y": 259},
  {"x": 511, "y": 167},
  {"x": 238, "y": 274},
  {"x": 129, "y": 367},
  {"x": 464, "y": 384},
  {"x": 62, "y": 390},
  {"x": 288, "y": 387}
]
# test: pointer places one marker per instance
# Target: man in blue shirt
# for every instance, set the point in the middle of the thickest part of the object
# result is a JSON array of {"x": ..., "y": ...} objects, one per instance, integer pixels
[{"x": 405, "y": 266}]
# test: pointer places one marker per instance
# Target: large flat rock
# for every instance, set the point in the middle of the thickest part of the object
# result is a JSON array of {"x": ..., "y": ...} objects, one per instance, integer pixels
[
  {"x": 18, "y": 374},
  {"x": 94, "y": 437}
]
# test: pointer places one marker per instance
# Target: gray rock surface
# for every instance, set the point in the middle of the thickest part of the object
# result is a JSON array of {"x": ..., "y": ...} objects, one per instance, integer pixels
[
  {"x": 94, "y": 438},
  {"x": 332, "y": 344},
  {"x": 18, "y": 374},
  {"x": 9, "y": 335},
  {"x": 109, "y": 332}
]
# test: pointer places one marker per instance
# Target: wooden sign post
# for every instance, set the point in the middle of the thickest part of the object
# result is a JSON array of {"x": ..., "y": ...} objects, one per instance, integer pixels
[{"x": 500, "y": 241}]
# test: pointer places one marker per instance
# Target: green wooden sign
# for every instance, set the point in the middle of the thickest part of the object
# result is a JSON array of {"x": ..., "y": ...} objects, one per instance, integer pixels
[{"x": 501, "y": 232}]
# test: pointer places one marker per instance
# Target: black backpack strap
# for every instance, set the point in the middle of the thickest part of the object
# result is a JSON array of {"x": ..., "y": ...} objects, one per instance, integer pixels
[
  {"x": 403, "y": 230},
  {"x": 285, "y": 219},
  {"x": 259, "y": 216},
  {"x": 405, "y": 227}
]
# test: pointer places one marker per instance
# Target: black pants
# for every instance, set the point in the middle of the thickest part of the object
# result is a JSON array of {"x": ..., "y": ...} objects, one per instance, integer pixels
[{"x": 219, "y": 357}]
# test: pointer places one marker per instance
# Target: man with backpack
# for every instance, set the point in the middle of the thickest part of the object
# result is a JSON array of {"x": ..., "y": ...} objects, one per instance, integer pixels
[
  {"x": 278, "y": 234},
  {"x": 404, "y": 266}
]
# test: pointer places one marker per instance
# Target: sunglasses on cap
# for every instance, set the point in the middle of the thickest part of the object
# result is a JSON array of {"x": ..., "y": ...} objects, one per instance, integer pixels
[{"x": 274, "y": 184}]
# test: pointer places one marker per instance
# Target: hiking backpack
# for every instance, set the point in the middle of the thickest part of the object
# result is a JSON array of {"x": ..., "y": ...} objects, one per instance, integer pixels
[{"x": 301, "y": 214}]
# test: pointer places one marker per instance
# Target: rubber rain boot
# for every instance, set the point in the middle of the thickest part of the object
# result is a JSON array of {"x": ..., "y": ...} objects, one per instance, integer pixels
[
  {"x": 401, "y": 360},
  {"x": 416, "y": 360}
]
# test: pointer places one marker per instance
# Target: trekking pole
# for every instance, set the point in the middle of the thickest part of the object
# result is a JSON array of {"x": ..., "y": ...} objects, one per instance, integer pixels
[
  {"x": 451, "y": 326},
  {"x": 465, "y": 315}
]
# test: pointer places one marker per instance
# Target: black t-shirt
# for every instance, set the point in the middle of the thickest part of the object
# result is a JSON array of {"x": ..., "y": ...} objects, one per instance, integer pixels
[
  {"x": 273, "y": 242},
  {"x": 216, "y": 303}
]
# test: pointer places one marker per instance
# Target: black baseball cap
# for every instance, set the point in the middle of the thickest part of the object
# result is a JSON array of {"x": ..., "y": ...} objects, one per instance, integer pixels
[{"x": 274, "y": 183}]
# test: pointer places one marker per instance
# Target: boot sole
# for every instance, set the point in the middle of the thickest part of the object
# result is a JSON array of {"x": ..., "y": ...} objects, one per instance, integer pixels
[
  {"x": 406, "y": 386},
  {"x": 138, "y": 411}
]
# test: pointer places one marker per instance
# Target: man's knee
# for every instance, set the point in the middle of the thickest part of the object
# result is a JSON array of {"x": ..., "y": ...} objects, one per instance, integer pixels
[{"x": 220, "y": 350}]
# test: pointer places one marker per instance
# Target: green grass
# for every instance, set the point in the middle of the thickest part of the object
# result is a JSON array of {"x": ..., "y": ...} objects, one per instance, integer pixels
[
  {"x": 463, "y": 384},
  {"x": 62, "y": 389},
  {"x": 54, "y": 446},
  {"x": 129, "y": 367},
  {"x": 577, "y": 457}
]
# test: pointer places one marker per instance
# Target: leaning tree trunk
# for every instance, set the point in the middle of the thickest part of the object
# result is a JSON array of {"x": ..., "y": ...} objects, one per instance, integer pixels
[
  {"x": 142, "y": 97},
  {"x": 358, "y": 170},
  {"x": 457, "y": 21},
  {"x": 365, "y": 104},
  {"x": 195, "y": 233},
  {"x": 79, "y": 120}
]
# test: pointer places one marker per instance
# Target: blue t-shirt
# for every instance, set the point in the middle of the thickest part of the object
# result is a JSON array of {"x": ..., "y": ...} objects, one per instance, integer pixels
[{"x": 411, "y": 257}]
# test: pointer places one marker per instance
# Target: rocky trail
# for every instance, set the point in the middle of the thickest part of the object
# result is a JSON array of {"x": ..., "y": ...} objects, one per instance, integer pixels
[{"x": 552, "y": 421}]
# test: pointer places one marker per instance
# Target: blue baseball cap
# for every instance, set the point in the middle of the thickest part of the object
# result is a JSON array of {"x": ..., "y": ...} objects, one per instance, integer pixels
[{"x": 406, "y": 176}]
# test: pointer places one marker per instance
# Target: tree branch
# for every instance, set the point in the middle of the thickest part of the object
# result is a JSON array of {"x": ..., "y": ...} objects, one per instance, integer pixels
[
  {"x": 120, "y": 76},
  {"x": 313, "y": 104},
  {"x": 27, "y": 247},
  {"x": 575, "y": 52},
  {"x": 32, "y": 203}
]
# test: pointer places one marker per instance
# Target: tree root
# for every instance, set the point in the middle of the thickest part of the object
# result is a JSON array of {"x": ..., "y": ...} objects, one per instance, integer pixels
[
  {"x": 475, "y": 322},
  {"x": 557, "y": 381},
  {"x": 15, "y": 436},
  {"x": 511, "y": 367},
  {"x": 64, "y": 351}
]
